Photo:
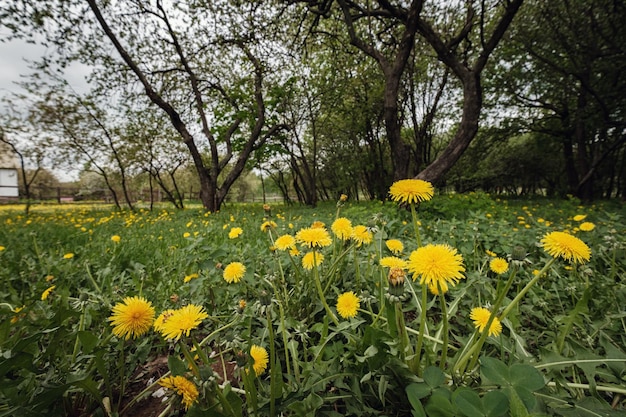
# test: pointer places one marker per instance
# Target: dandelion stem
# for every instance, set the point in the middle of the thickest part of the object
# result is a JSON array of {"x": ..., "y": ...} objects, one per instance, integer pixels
[
  {"x": 318, "y": 285},
  {"x": 420, "y": 337},
  {"x": 444, "y": 313},
  {"x": 273, "y": 374},
  {"x": 416, "y": 225},
  {"x": 527, "y": 288}
]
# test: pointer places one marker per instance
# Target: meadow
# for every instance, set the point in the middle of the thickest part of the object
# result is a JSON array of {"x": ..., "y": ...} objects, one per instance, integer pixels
[{"x": 459, "y": 305}]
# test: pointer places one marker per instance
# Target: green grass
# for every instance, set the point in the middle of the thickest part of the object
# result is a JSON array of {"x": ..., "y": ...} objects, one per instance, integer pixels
[{"x": 561, "y": 351}]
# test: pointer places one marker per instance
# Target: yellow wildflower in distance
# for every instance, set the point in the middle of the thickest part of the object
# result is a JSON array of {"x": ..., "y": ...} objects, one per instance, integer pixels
[
  {"x": 186, "y": 235},
  {"x": 499, "y": 265},
  {"x": 490, "y": 253},
  {"x": 393, "y": 262},
  {"x": 566, "y": 246},
  {"x": 411, "y": 191},
  {"x": 235, "y": 232},
  {"x": 395, "y": 246},
  {"x": 312, "y": 259},
  {"x": 190, "y": 277},
  {"x": 260, "y": 359},
  {"x": 285, "y": 242},
  {"x": 587, "y": 226},
  {"x": 318, "y": 224},
  {"x": 313, "y": 237},
  {"x": 270, "y": 224},
  {"x": 183, "y": 387},
  {"x": 183, "y": 321},
  {"x": 132, "y": 317},
  {"x": 68, "y": 255},
  {"x": 480, "y": 316},
  {"x": 348, "y": 305},
  {"x": 579, "y": 217},
  {"x": 46, "y": 293},
  {"x": 116, "y": 238},
  {"x": 436, "y": 265},
  {"x": 234, "y": 271},
  {"x": 342, "y": 228},
  {"x": 294, "y": 251},
  {"x": 2, "y": 248},
  {"x": 361, "y": 235}
]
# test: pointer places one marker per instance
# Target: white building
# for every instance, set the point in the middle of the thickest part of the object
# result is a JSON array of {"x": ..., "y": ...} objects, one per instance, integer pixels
[{"x": 8, "y": 172}]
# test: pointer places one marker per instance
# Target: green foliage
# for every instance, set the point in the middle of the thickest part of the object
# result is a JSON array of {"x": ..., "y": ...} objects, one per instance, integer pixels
[{"x": 560, "y": 351}]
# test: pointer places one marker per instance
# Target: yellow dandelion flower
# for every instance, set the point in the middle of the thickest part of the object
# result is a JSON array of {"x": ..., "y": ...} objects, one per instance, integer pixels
[
  {"x": 312, "y": 259},
  {"x": 480, "y": 316},
  {"x": 499, "y": 265},
  {"x": 436, "y": 265},
  {"x": 294, "y": 251},
  {"x": 566, "y": 246},
  {"x": 285, "y": 242},
  {"x": 260, "y": 359},
  {"x": 587, "y": 226},
  {"x": 270, "y": 224},
  {"x": 580, "y": 217},
  {"x": 411, "y": 191},
  {"x": 342, "y": 228},
  {"x": 161, "y": 319},
  {"x": 2, "y": 248},
  {"x": 343, "y": 198},
  {"x": 361, "y": 235},
  {"x": 132, "y": 317},
  {"x": 313, "y": 237},
  {"x": 234, "y": 271},
  {"x": 190, "y": 277},
  {"x": 49, "y": 278},
  {"x": 183, "y": 321},
  {"x": 395, "y": 246},
  {"x": 186, "y": 235},
  {"x": 68, "y": 255},
  {"x": 393, "y": 262},
  {"x": 235, "y": 232},
  {"x": 490, "y": 253},
  {"x": 183, "y": 387},
  {"x": 318, "y": 224},
  {"x": 46, "y": 293},
  {"x": 116, "y": 238},
  {"x": 348, "y": 305}
]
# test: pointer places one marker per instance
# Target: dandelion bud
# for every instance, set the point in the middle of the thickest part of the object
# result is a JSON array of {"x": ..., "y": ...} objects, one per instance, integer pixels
[
  {"x": 396, "y": 280},
  {"x": 518, "y": 253},
  {"x": 265, "y": 298}
]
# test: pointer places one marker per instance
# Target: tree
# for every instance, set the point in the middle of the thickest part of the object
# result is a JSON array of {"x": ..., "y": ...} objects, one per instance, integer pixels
[{"x": 463, "y": 42}]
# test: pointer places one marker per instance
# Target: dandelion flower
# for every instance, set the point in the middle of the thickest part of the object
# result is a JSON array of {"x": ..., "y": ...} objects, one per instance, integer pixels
[
  {"x": 183, "y": 387},
  {"x": 312, "y": 259},
  {"x": 395, "y": 246},
  {"x": 163, "y": 317},
  {"x": 362, "y": 235},
  {"x": 116, "y": 238},
  {"x": 342, "y": 228},
  {"x": 490, "y": 253},
  {"x": 285, "y": 242},
  {"x": 566, "y": 246},
  {"x": 580, "y": 217},
  {"x": 182, "y": 321},
  {"x": 234, "y": 271},
  {"x": 393, "y": 262},
  {"x": 270, "y": 224},
  {"x": 313, "y": 237},
  {"x": 132, "y": 317},
  {"x": 480, "y": 316},
  {"x": 2, "y": 248},
  {"x": 347, "y": 305},
  {"x": 186, "y": 235},
  {"x": 68, "y": 256},
  {"x": 318, "y": 224},
  {"x": 587, "y": 226},
  {"x": 260, "y": 359},
  {"x": 46, "y": 293},
  {"x": 294, "y": 251},
  {"x": 436, "y": 265},
  {"x": 411, "y": 191},
  {"x": 235, "y": 232},
  {"x": 190, "y": 277},
  {"x": 499, "y": 265}
]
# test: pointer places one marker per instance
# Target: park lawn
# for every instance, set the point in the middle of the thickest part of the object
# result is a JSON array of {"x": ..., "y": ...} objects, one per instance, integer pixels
[{"x": 319, "y": 327}]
